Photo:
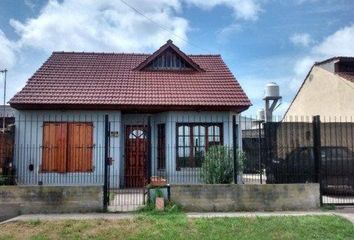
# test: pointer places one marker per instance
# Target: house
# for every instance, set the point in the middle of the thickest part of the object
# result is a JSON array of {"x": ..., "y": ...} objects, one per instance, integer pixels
[
  {"x": 7, "y": 114},
  {"x": 7, "y": 118},
  {"x": 328, "y": 91},
  {"x": 164, "y": 110}
]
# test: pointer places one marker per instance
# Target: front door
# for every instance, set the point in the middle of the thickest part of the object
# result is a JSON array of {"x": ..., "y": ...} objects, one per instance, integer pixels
[{"x": 136, "y": 144}]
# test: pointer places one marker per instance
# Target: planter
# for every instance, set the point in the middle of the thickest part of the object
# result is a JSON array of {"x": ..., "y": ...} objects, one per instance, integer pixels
[
  {"x": 160, "y": 203},
  {"x": 158, "y": 181}
]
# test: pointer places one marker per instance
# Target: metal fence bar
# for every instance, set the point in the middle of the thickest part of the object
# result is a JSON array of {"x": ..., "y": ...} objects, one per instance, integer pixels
[
  {"x": 107, "y": 163},
  {"x": 235, "y": 139},
  {"x": 197, "y": 148}
]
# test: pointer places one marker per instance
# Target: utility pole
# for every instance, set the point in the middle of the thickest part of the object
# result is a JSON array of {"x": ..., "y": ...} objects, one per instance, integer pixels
[{"x": 4, "y": 71}]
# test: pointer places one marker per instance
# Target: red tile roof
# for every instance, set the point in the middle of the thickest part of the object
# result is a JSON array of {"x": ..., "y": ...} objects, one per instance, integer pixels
[{"x": 109, "y": 79}]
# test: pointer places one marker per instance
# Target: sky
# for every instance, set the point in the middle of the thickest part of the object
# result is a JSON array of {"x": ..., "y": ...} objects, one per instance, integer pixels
[{"x": 261, "y": 41}]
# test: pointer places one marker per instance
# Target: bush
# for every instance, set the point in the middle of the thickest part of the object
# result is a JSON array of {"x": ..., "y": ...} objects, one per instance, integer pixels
[
  {"x": 7, "y": 180},
  {"x": 217, "y": 166},
  {"x": 242, "y": 159}
]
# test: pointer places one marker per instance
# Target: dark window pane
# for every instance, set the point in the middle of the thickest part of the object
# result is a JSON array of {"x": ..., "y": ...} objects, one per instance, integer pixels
[{"x": 161, "y": 146}]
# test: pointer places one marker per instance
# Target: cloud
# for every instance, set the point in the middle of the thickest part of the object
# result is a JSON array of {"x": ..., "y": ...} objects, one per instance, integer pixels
[
  {"x": 242, "y": 9},
  {"x": 247, "y": 10},
  {"x": 105, "y": 25},
  {"x": 305, "y": 1},
  {"x": 30, "y": 3},
  {"x": 301, "y": 39},
  {"x": 88, "y": 25},
  {"x": 7, "y": 54},
  {"x": 224, "y": 33},
  {"x": 102, "y": 26},
  {"x": 340, "y": 43}
]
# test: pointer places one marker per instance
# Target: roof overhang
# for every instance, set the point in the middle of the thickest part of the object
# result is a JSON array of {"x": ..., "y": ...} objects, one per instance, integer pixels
[{"x": 131, "y": 108}]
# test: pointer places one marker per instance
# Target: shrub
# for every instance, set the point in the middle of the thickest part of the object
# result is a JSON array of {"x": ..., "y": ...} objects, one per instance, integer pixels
[
  {"x": 241, "y": 156},
  {"x": 158, "y": 193},
  {"x": 217, "y": 166},
  {"x": 6, "y": 180}
]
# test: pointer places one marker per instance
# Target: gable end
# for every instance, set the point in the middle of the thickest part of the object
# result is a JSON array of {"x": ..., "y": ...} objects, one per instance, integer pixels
[{"x": 169, "y": 57}]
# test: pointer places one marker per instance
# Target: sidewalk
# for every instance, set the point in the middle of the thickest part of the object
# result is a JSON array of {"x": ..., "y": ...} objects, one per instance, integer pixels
[{"x": 119, "y": 216}]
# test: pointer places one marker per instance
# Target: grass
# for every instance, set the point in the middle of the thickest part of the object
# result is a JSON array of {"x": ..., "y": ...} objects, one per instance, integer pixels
[
  {"x": 328, "y": 207},
  {"x": 170, "y": 208},
  {"x": 174, "y": 226}
]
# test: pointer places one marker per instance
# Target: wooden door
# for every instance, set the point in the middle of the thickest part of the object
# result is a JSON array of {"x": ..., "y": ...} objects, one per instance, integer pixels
[{"x": 136, "y": 145}]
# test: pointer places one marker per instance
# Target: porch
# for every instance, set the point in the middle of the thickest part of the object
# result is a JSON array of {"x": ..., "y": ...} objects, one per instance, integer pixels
[{"x": 169, "y": 145}]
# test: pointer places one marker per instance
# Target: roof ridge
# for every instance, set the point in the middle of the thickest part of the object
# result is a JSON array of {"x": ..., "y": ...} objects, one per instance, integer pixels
[
  {"x": 205, "y": 55},
  {"x": 332, "y": 59},
  {"x": 135, "y": 54},
  {"x": 101, "y": 53}
]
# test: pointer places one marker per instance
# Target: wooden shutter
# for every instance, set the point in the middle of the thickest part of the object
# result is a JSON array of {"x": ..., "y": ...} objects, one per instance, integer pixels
[
  {"x": 54, "y": 153},
  {"x": 80, "y": 144}
]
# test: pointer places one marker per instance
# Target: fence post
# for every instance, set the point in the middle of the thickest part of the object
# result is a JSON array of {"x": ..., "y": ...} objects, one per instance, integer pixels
[
  {"x": 316, "y": 124},
  {"x": 106, "y": 164},
  {"x": 234, "y": 142},
  {"x": 260, "y": 150}
]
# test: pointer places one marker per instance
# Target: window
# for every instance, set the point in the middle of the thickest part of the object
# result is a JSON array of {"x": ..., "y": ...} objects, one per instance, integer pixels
[
  {"x": 67, "y": 147},
  {"x": 161, "y": 145},
  {"x": 137, "y": 134},
  {"x": 169, "y": 60},
  {"x": 193, "y": 140}
]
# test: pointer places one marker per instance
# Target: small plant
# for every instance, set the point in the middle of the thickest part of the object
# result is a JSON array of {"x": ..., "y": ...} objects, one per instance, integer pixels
[
  {"x": 217, "y": 166},
  {"x": 158, "y": 193},
  {"x": 170, "y": 208},
  {"x": 34, "y": 222}
]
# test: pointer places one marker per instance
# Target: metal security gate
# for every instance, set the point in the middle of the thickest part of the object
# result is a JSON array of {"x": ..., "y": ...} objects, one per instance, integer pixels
[
  {"x": 125, "y": 190},
  {"x": 309, "y": 151},
  {"x": 337, "y": 163}
]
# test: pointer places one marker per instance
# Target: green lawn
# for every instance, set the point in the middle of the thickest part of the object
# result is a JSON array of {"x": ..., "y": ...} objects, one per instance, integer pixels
[{"x": 178, "y": 226}]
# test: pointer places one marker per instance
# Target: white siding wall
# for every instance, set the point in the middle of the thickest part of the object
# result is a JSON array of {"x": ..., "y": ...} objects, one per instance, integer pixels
[
  {"x": 28, "y": 142},
  {"x": 185, "y": 175},
  {"x": 29, "y": 131}
]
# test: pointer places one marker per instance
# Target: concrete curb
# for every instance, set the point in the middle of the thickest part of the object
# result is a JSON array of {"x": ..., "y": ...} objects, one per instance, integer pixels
[
  {"x": 83, "y": 216},
  {"x": 122, "y": 216}
]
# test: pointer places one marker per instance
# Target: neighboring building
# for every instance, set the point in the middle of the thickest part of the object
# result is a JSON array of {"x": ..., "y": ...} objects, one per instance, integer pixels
[
  {"x": 171, "y": 105},
  {"x": 9, "y": 114},
  {"x": 328, "y": 91}
]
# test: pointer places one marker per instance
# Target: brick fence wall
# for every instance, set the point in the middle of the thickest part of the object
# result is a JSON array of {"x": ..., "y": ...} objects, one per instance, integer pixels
[
  {"x": 15, "y": 200},
  {"x": 234, "y": 197}
]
